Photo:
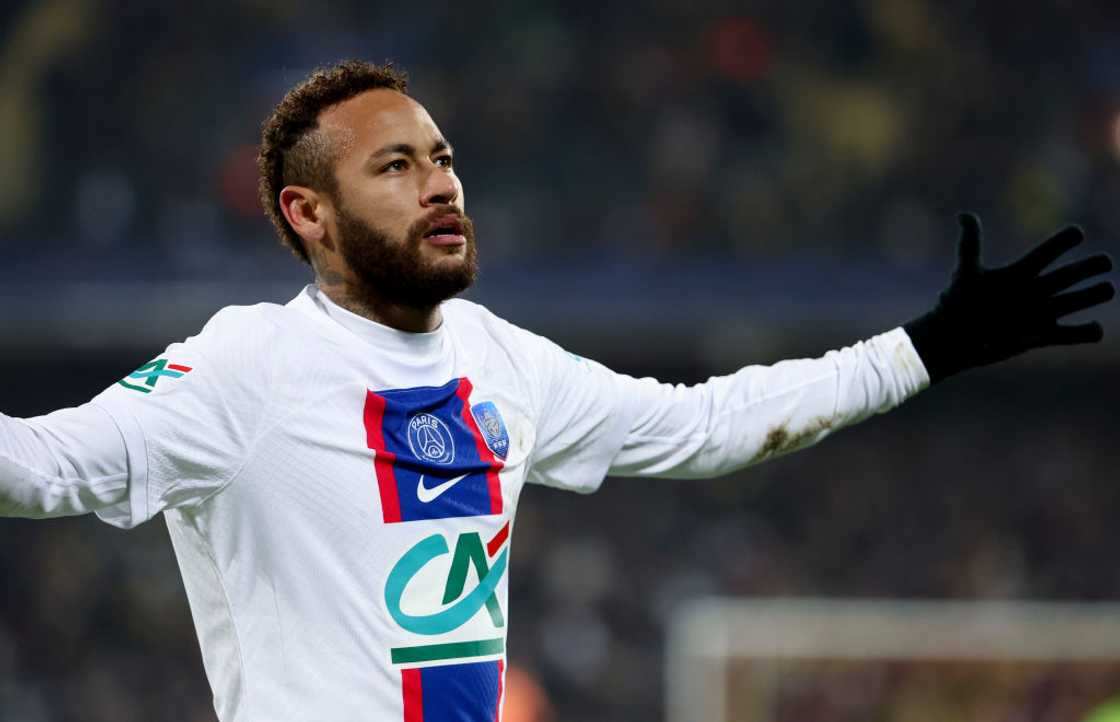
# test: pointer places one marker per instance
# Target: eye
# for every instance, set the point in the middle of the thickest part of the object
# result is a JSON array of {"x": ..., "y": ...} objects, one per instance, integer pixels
[
  {"x": 444, "y": 161},
  {"x": 399, "y": 164}
]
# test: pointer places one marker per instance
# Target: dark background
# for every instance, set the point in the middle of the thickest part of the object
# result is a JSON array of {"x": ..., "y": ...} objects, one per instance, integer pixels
[{"x": 672, "y": 188}]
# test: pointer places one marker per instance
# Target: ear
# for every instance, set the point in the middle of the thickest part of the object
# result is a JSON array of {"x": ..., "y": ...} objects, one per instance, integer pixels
[{"x": 307, "y": 212}]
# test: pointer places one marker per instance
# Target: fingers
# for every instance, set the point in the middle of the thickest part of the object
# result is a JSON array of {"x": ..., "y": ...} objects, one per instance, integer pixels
[
  {"x": 1050, "y": 250},
  {"x": 968, "y": 248},
  {"x": 1072, "y": 335},
  {"x": 1074, "y": 273},
  {"x": 1067, "y": 303}
]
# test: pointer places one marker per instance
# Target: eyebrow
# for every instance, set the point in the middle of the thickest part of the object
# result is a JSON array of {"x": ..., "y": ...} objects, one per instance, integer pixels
[{"x": 406, "y": 149}]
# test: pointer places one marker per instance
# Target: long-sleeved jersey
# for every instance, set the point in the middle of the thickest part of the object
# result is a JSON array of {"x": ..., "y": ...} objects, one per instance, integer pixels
[{"x": 340, "y": 495}]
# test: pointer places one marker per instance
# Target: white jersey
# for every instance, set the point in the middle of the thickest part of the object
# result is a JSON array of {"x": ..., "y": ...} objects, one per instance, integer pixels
[{"x": 341, "y": 495}]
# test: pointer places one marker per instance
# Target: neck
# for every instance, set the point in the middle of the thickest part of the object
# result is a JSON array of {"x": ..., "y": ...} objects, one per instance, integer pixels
[{"x": 393, "y": 315}]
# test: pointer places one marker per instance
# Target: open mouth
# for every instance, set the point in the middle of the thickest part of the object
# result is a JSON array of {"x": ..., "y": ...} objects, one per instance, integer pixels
[
  {"x": 446, "y": 226},
  {"x": 446, "y": 231}
]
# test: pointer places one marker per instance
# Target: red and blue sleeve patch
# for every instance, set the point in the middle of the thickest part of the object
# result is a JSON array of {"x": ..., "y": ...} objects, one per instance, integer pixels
[{"x": 431, "y": 459}]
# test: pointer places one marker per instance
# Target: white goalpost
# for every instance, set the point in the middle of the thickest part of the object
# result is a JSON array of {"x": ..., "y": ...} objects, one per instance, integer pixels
[{"x": 821, "y": 660}]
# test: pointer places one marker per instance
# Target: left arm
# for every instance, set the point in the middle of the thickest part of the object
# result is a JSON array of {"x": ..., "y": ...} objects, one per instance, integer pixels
[
  {"x": 761, "y": 412},
  {"x": 986, "y": 315},
  {"x": 593, "y": 421}
]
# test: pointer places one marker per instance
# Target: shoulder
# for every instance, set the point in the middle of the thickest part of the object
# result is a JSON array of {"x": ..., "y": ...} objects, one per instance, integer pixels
[
  {"x": 232, "y": 320},
  {"x": 462, "y": 314},
  {"x": 244, "y": 346},
  {"x": 461, "y": 311},
  {"x": 238, "y": 327},
  {"x": 524, "y": 348},
  {"x": 473, "y": 322}
]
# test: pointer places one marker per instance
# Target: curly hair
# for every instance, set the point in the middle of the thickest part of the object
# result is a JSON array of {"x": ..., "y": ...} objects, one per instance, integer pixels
[{"x": 294, "y": 152}]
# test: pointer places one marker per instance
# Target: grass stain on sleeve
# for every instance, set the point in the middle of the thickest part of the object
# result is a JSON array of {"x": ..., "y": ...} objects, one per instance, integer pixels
[{"x": 780, "y": 441}]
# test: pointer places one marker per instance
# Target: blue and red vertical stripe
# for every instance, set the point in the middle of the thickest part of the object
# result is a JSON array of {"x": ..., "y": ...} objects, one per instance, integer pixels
[
  {"x": 453, "y": 693},
  {"x": 424, "y": 438}
]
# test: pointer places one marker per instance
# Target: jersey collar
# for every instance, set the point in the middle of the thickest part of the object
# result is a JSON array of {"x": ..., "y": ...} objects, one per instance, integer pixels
[{"x": 376, "y": 334}]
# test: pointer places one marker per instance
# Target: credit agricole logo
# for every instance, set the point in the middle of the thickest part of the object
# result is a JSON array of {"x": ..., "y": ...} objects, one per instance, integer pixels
[
  {"x": 459, "y": 605},
  {"x": 144, "y": 379}
]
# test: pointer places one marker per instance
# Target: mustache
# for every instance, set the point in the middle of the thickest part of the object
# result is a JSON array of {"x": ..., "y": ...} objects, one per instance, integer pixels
[{"x": 421, "y": 225}]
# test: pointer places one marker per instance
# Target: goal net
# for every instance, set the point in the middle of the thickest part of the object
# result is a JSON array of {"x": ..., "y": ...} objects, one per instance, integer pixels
[{"x": 806, "y": 660}]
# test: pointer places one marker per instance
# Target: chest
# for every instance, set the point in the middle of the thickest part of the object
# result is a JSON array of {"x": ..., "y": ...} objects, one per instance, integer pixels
[{"x": 389, "y": 455}]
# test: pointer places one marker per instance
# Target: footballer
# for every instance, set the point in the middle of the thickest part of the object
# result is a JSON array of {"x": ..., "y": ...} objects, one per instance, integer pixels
[{"x": 340, "y": 474}]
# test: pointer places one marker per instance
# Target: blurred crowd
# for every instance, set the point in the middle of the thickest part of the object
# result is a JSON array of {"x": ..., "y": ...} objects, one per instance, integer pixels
[{"x": 649, "y": 132}]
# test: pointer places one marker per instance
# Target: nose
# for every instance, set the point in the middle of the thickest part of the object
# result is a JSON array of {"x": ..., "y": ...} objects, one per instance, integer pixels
[{"x": 440, "y": 188}]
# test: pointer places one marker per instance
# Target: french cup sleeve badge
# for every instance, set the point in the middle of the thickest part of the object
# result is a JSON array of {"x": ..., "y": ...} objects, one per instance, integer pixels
[
  {"x": 151, "y": 375},
  {"x": 493, "y": 428}
]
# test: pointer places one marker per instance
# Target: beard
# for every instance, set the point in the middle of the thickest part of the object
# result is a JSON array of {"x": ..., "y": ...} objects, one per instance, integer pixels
[{"x": 397, "y": 271}]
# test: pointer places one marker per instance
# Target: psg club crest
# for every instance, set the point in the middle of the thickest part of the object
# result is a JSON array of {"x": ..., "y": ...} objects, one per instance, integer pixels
[
  {"x": 430, "y": 439},
  {"x": 493, "y": 428}
]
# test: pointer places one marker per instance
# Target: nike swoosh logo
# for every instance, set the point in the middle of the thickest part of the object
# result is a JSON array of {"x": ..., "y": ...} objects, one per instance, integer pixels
[{"x": 426, "y": 495}]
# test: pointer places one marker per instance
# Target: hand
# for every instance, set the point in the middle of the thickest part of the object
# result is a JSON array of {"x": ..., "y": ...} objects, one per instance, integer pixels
[{"x": 991, "y": 314}]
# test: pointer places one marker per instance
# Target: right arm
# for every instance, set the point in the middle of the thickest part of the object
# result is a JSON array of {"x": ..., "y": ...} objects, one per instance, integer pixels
[
  {"x": 161, "y": 438},
  {"x": 71, "y": 461}
]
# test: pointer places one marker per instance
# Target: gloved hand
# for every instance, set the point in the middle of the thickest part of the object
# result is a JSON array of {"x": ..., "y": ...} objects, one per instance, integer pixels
[{"x": 991, "y": 314}]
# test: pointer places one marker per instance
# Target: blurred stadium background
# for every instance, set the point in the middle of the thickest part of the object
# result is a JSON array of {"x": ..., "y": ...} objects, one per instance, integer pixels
[{"x": 673, "y": 188}]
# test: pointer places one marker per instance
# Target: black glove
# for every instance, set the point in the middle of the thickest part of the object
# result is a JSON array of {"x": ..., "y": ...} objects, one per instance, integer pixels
[{"x": 991, "y": 314}]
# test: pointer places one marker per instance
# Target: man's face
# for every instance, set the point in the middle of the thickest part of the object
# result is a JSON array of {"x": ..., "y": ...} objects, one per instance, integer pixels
[{"x": 399, "y": 222}]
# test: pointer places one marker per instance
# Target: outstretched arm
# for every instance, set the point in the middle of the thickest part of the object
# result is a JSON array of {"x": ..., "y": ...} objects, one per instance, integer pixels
[
  {"x": 138, "y": 448},
  {"x": 595, "y": 421},
  {"x": 601, "y": 422},
  {"x": 72, "y": 461},
  {"x": 984, "y": 316},
  {"x": 761, "y": 412}
]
